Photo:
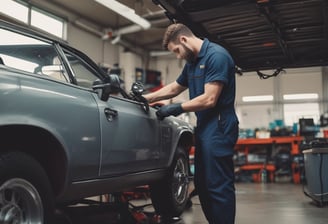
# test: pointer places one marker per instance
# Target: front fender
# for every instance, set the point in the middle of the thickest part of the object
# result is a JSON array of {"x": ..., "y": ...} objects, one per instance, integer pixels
[{"x": 182, "y": 136}]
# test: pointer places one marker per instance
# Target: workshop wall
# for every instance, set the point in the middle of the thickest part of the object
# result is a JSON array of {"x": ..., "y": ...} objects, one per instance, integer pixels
[
  {"x": 170, "y": 68},
  {"x": 293, "y": 81},
  {"x": 105, "y": 53},
  {"x": 90, "y": 44},
  {"x": 129, "y": 62}
]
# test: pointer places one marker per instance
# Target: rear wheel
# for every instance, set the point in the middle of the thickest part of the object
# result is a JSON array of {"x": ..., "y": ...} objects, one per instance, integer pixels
[
  {"x": 25, "y": 192},
  {"x": 170, "y": 195}
]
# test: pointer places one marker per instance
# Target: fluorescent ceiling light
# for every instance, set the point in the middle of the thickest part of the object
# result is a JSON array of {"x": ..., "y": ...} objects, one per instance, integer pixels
[
  {"x": 126, "y": 12},
  {"x": 257, "y": 98},
  {"x": 302, "y": 96},
  {"x": 159, "y": 53}
]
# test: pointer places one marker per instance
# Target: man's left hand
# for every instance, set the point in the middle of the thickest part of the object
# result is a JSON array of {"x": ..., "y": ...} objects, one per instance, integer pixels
[{"x": 174, "y": 109}]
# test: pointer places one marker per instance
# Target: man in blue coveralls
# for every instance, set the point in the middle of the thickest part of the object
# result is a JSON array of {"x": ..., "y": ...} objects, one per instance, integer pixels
[{"x": 209, "y": 74}]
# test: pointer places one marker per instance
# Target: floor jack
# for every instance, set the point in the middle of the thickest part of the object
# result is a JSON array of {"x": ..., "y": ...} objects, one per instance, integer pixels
[{"x": 138, "y": 212}]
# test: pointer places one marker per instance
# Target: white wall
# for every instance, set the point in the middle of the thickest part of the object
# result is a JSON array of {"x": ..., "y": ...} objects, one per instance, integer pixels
[
  {"x": 305, "y": 80},
  {"x": 170, "y": 68},
  {"x": 86, "y": 42},
  {"x": 255, "y": 115},
  {"x": 293, "y": 81},
  {"x": 129, "y": 62},
  {"x": 104, "y": 52}
]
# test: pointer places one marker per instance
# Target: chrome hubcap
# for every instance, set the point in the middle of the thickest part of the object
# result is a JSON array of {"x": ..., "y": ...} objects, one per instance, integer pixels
[
  {"x": 20, "y": 203},
  {"x": 181, "y": 181}
]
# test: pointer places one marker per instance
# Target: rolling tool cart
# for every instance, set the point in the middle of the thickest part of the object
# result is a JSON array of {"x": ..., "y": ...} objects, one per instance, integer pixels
[{"x": 316, "y": 172}]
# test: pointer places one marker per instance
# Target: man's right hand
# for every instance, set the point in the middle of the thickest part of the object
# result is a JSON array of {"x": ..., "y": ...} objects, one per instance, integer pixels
[{"x": 171, "y": 109}]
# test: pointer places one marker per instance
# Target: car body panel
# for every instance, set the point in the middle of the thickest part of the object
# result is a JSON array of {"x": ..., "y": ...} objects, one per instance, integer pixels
[
  {"x": 70, "y": 106},
  {"x": 131, "y": 137},
  {"x": 86, "y": 145}
]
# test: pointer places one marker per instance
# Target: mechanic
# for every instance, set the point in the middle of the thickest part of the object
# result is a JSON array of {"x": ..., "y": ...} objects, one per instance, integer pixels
[{"x": 209, "y": 73}]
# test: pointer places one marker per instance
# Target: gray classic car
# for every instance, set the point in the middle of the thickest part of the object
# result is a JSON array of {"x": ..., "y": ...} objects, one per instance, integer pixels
[{"x": 66, "y": 135}]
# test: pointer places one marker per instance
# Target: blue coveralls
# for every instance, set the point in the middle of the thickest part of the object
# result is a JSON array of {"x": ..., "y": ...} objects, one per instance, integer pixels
[{"x": 216, "y": 133}]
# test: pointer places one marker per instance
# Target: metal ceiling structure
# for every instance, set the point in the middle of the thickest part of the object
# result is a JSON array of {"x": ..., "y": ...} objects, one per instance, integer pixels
[{"x": 260, "y": 34}]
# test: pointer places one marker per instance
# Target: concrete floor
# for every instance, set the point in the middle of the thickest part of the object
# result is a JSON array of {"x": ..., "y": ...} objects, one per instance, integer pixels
[{"x": 269, "y": 203}]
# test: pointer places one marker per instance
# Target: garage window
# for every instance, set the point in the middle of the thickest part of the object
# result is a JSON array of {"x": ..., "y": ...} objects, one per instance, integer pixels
[
  {"x": 14, "y": 9},
  {"x": 47, "y": 22},
  {"x": 296, "y": 111},
  {"x": 33, "y": 16}
]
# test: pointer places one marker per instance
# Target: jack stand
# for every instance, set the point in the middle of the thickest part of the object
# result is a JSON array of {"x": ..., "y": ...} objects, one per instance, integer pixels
[
  {"x": 140, "y": 217},
  {"x": 148, "y": 217}
]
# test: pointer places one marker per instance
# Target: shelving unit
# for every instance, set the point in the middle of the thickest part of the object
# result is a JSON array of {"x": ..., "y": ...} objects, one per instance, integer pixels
[{"x": 265, "y": 164}]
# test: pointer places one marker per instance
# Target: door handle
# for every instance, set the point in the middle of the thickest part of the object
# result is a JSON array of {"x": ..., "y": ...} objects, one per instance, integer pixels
[{"x": 110, "y": 114}]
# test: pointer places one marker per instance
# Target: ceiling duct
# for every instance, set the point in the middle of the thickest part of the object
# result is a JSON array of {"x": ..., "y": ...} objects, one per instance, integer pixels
[{"x": 126, "y": 12}]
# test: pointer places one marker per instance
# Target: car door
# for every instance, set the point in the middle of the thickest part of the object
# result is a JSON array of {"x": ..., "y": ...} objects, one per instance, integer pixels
[{"x": 130, "y": 136}]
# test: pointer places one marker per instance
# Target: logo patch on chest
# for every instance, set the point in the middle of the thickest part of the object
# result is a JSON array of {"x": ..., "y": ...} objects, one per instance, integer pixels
[{"x": 201, "y": 66}]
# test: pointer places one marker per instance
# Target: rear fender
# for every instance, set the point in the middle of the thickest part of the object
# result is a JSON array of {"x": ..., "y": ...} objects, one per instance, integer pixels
[{"x": 41, "y": 145}]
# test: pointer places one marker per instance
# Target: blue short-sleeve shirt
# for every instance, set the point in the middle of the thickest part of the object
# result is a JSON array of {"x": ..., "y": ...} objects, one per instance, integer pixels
[{"x": 213, "y": 64}]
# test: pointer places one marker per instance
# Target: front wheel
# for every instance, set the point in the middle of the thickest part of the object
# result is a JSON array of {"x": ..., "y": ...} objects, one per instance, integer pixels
[
  {"x": 25, "y": 192},
  {"x": 170, "y": 195}
]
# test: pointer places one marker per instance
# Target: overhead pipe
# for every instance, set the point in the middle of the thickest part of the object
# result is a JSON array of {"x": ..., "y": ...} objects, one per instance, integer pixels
[
  {"x": 126, "y": 12},
  {"x": 130, "y": 29}
]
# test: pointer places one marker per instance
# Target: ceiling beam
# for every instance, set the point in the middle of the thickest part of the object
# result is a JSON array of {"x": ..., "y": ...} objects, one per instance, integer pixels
[{"x": 267, "y": 11}]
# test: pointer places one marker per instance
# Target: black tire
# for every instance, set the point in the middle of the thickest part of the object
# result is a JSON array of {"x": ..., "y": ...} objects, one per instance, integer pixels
[
  {"x": 25, "y": 191},
  {"x": 170, "y": 195}
]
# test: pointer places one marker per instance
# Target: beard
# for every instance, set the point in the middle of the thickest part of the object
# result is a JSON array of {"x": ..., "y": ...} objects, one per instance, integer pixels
[{"x": 189, "y": 55}]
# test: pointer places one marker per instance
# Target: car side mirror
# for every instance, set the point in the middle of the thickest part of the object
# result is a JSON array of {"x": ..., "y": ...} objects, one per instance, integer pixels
[
  {"x": 110, "y": 85},
  {"x": 137, "y": 89},
  {"x": 115, "y": 82}
]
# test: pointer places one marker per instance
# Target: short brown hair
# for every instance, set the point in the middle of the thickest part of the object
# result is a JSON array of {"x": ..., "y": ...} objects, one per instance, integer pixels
[{"x": 173, "y": 32}]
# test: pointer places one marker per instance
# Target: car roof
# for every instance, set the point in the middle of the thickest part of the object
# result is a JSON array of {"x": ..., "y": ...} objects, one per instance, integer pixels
[{"x": 262, "y": 34}]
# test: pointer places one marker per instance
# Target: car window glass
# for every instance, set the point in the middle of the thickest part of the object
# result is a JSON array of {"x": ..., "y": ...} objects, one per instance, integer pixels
[
  {"x": 31, "y": 55},
  {"x": 83, "y": 75}
]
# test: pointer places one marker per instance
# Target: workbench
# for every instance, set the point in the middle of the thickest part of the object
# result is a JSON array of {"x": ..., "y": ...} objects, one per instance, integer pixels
[{"x": 244, "y": 146}]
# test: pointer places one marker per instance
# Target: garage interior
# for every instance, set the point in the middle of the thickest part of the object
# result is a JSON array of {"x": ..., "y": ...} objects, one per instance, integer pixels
[{"x": 281, "y": 52}]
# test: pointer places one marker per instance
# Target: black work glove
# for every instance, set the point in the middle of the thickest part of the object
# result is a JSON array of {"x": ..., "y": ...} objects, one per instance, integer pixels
[{"x": 174, "y": 109}]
